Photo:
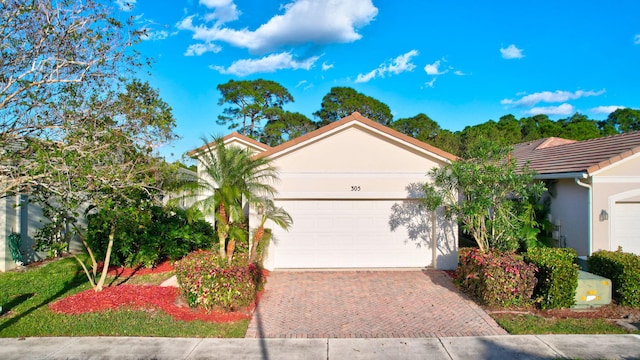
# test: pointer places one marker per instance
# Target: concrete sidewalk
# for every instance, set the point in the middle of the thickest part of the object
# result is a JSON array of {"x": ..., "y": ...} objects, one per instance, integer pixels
[{"x": 482, "y": 347}]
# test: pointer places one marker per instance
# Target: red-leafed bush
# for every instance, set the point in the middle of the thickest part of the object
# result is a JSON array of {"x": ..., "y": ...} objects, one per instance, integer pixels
[
  {"x": 139, "y": 297},
  {"x": 496, "y": 278},
  {"x": 208, "y": 281}
]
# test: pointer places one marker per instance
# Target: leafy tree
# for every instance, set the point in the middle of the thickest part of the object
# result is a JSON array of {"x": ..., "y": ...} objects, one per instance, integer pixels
[
  {"x": 489, "y": 195},
  {"x": 509, "y": 128},
  {"x": 232, "y": 174},
  {"x": 624, "y": 120},
  {"x": 579, "y": 127},
  {"x": 472, "y": 136},
  {"x": 343, "y": 101},
  {"x": 538, "y": 127},
  {"x": 81, "y": 180},
  {"x": 286, "y": 126},
  {"x": 250, "y": 102},
  {"x": 57, "y": 58},
  {"x": 447, "y": 141},
  {"x": 268, "y": 212},
  {"x": 420, "y": 127}
]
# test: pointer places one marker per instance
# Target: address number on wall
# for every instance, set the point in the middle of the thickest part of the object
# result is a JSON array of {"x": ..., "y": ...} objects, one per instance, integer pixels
[{"x": 355, "y": 187}]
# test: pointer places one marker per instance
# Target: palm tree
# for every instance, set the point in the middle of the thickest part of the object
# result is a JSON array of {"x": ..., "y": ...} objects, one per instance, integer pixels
[
  {"x": 231, "y": 175},
  {"x": 268, "y": 211}
]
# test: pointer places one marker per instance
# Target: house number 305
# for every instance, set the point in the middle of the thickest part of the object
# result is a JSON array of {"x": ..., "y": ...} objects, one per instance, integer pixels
[{"x": 355, "y": 187}]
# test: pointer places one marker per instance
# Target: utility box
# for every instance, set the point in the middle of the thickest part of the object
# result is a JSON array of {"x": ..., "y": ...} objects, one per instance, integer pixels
[{"x": 593, "y": 291}]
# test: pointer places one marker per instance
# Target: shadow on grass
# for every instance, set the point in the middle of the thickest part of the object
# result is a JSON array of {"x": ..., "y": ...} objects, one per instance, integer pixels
[
  {"x": 16, "y": 301},
  {"x": 78, "y": 279}
]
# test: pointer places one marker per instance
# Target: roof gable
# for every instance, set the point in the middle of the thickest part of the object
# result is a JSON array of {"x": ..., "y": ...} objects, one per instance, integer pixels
[
  {"x": 357, "y": 120},
  {"x": 570, "y": 156},
  {"x": 234, "y": 139}
]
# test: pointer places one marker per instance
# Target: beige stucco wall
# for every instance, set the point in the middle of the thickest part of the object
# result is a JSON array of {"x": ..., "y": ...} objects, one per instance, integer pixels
[
  {"x": 570, "y": 208},
  {"x": 618, "y": 182},
  {"x": 359, "y": 163},
  {"x": 353, "y": 163}
]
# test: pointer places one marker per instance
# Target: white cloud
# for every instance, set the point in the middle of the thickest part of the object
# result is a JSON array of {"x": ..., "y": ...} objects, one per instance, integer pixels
[
  {"x": 511, "y": 52},
  {"x": 267, "y": 64},
  {"x": 223, "y": 11},
  {"x": 606, "y": 109},
  {"x": 563, "y": 109},
  {"x": 366, "y": 77},
  {"x": 434, "y": 69},
  {"x": 300, "y": 83},
  {"x": 431, "y": 83},
  {"x": 126, "y": 5},
  {"x": 402, "y": 63},
  {"x": 199, "y": 49},
  {"x": 460, "y": 73},
  {"x": 636, "y": 39},
  {"x": 396, "y": 66},
  {"x": 550, "y": 97},
  {"x": 154, "y": 35},
  {"x": 326, "y": 66},
  {"x": 303, "y": 22}
]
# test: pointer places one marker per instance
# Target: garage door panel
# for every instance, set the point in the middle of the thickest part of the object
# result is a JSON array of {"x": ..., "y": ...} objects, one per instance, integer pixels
[
  {"x": 344, "y": 234},
  {"x": 627, "y": 227}
]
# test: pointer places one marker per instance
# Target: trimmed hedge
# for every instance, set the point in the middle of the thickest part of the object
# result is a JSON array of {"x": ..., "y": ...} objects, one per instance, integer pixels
[
  {"x": 496, "y": 278},
  {"x": 624, "y": 271},
  {"x": 208, "y": 281},
  {"x": 557, "y": 276}
]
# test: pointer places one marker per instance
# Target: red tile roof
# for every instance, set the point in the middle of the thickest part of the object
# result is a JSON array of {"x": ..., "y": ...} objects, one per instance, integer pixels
[
  {"x": 558, "y": 156},
  {"x": 356, "y": 116}
]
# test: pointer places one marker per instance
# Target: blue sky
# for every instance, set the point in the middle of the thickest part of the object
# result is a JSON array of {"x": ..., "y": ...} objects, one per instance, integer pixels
[{"x": 461, "y": 62}]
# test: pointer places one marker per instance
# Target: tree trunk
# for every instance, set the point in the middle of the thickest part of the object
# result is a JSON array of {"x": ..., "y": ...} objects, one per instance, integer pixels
[
  {"x": 107, "y": 259},
  {"x": 254, "y": 243},
  {"x": 230, "y": 248},
  {"x": 223, "y": 230}
]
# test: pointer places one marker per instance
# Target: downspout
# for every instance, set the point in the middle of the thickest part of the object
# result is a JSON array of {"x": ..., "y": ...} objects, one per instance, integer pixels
[{"x": 590, "y": 215}]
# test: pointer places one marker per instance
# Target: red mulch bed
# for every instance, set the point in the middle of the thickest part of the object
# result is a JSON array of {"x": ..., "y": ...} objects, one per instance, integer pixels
[
  {"x": 167, "y": 299},
  {"x": 126, "y": 272}
]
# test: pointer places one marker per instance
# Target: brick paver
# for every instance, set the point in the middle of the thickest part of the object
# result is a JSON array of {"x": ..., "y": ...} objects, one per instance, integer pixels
[{"x": 366, "y": 304}]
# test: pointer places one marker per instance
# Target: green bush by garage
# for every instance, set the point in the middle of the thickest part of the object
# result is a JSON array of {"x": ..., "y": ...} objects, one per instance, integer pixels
[
  {"x": 624, "y": 271},
  {"x": 557, "y": 276}
]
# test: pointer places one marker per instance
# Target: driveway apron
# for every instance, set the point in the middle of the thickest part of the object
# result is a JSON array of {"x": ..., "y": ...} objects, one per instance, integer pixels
[{"x": 366, "y": 304}]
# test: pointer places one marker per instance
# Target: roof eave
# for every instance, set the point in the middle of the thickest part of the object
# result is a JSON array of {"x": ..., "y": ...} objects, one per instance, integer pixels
[{"x": 568, "y": 175}]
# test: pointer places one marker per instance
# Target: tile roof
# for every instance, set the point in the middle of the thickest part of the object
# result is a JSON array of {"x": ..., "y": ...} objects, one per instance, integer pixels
[
  {"x": 558, "y": 156},
  {"x": 356, "y": 116}
]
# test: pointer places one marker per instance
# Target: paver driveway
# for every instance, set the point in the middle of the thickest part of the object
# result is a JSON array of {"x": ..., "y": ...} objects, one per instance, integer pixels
[{"x": 365, "y": 304}]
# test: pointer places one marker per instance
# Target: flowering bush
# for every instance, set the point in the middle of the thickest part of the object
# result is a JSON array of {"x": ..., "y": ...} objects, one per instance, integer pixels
[
  {"x": 496, "y": 278},
  {"x": 208, "y": 281}
]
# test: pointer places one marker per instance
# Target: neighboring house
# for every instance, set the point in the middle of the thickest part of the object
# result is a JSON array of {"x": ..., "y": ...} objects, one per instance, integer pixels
[
  {"x": 594, "y": 187},
  {"x": 351, "y": 189},
  {"x": 18, "y": 215}
]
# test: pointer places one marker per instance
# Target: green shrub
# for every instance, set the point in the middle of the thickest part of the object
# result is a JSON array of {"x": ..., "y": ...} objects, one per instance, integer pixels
[
  {"x": 208, "y": 281},
  {"x": 148, "y": 235},
  {"x": 496, "y": 278},
  {"x": 557, "y": 276},
  {"x": 623, "y": 269}
]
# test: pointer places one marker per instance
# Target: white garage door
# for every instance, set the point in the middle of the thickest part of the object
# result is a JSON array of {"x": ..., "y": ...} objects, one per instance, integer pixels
[
  {"x": 626, "y": 230},
  {"x": 345, "y": 234}
]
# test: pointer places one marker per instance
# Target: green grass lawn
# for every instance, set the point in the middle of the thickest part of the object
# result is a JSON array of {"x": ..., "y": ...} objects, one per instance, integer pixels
[
  {"x": 27, "y": 313},
  {"x": 521, "y": 324}
]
